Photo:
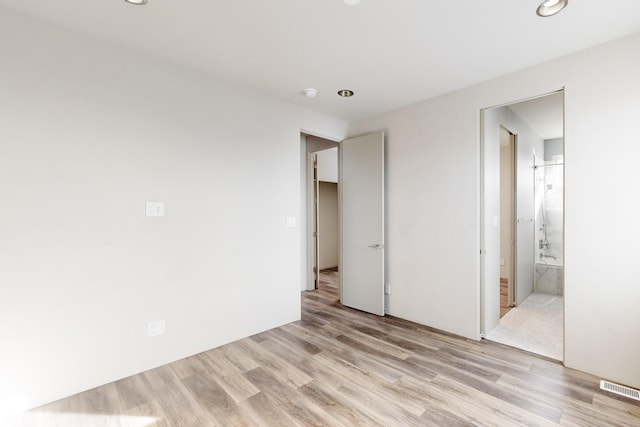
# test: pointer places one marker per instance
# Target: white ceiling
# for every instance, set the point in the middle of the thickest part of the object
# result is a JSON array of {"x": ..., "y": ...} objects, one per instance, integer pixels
[{"x": 390, "y": 52}]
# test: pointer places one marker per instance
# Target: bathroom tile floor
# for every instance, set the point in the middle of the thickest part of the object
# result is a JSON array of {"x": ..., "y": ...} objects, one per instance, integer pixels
[{"x": 536, "y": 325}]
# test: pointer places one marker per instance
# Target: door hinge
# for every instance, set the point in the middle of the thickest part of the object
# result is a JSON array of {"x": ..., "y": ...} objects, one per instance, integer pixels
[{"x": 483, "y": 251}]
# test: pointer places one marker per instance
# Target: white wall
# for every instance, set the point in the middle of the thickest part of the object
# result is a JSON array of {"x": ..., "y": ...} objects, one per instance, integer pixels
[
  {"x": 88, "y": 133},
  {"x": 493, "y": 119},
  {"x": 328, "y": 165},
  {"x": 328, "y": 224},
  {"x": 433, "y": 183}
]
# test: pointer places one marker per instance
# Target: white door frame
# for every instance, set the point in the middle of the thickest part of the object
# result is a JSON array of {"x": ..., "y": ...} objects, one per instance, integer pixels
[{"x": 483, "y": 219}]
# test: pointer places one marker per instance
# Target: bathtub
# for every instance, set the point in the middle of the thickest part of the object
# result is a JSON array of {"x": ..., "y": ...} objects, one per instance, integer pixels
[{"x": 548, "y": 279}]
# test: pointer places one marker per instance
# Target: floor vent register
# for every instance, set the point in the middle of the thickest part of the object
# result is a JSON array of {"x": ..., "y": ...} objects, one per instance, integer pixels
[{"x": 620, "y": 389}]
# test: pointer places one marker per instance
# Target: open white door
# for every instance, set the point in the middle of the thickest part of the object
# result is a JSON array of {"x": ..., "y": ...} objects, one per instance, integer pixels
[{"x": 362, "y": 223}]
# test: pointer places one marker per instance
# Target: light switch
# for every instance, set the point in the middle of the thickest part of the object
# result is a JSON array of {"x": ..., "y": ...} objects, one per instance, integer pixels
[
  {"x": 496, "y": 221},
  {"x": 155, "y": 209},
  {"x": 291, "y": 222}
]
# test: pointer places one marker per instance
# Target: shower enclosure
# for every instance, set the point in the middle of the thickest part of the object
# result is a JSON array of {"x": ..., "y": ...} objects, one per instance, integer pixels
[{"x": 549, "y": 193}]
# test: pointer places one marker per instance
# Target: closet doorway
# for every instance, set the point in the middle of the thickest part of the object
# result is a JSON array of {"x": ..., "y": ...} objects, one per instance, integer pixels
[
  {"x": 326, "y": 231},
  {"x": 358, "y": 165},
  {"x": 321, "y": 233}
]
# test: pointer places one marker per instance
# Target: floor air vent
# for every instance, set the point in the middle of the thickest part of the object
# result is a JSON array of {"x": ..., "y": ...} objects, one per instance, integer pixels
[{"x": 620, "y": 389}]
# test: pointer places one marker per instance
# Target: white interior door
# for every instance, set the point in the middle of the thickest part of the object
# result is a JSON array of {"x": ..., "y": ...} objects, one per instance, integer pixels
[{"x": 362, "y": 223}]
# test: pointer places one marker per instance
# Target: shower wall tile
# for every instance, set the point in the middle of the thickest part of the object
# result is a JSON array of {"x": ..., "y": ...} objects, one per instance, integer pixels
[{"x": 549, "y": 279}]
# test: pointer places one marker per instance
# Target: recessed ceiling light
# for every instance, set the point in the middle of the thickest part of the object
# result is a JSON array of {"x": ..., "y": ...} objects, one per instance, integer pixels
[
  {"x": 311, "y": 92},
  {"x": 351, "y": 2},
  {"x": 137, "y": 2},
  {"x": 551, "y": 7},
  {"x": 345, "y": 93}
]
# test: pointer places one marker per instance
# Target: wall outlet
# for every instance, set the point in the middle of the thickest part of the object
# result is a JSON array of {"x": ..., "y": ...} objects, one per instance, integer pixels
[
  {"x": 156, "y": 328},
  {"x": 387, "y": 289},
  {"x": 154, "y": 209}
]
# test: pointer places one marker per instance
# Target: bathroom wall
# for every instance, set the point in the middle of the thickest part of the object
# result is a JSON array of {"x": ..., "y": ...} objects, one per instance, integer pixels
[
  {"x": 553, "y": 147},
  {"x": 549, "y": 279},
  {"x": 549, "y": 197},
  {"x": 550, "y": 222}
]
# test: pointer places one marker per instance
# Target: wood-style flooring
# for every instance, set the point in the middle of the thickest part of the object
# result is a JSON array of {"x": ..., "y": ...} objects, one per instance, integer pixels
[
  {"x": 504, "y": 297},
  {"x": 338, "y": 366}
]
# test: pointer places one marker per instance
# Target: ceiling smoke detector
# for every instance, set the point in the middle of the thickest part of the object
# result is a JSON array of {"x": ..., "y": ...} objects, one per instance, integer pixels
[
  {"x": 345, "y": 93},
  {"x": 311, "y": 92},
  {"x": 137, "y": 2},
  {"x": 351, "y": 2},
  {"x": 551, "y": 7}
]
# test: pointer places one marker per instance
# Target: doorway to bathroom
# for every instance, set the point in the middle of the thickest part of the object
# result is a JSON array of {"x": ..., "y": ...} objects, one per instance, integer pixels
[{"x": 522, "y": 231}]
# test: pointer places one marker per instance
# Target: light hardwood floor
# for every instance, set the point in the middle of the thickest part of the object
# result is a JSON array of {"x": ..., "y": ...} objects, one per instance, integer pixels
[
  {"x": 504, "y": 297},
  {"x": 338, "y": 366}
]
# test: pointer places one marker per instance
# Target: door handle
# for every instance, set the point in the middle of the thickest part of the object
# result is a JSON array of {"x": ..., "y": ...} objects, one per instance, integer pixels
[{"x": 377, "y": 246}]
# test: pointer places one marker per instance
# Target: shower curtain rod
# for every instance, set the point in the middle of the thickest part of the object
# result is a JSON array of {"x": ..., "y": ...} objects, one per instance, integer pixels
[{"x": 544, "y": 166}]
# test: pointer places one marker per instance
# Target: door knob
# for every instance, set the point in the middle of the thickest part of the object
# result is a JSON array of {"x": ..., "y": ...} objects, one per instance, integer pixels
[{"x": 377, "y": 246}]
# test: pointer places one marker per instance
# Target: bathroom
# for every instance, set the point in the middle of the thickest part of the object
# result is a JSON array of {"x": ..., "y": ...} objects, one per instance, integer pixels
[
  {"x": 549, "y": 220},
  {"x": 526, "y": 279}
]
